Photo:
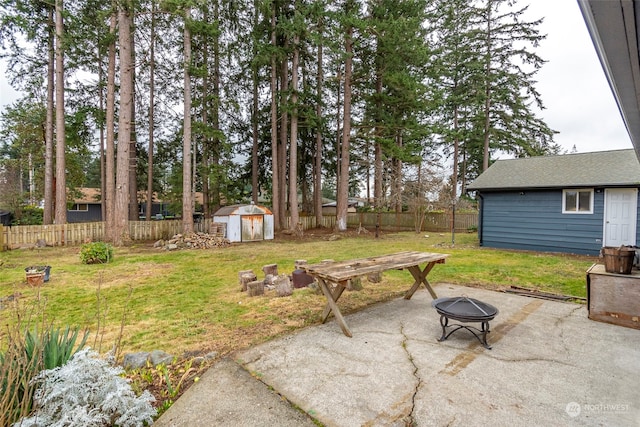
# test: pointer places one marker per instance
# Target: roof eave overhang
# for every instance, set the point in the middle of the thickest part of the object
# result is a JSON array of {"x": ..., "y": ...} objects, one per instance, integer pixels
[
  {"x": 613, "y": 26},
  {"x": 554, "y": 187}
]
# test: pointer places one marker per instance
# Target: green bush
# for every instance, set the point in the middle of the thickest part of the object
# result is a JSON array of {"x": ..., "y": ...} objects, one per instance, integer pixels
[
  {"x": 28, "y": 215},
  {"x": 96, "y": 253}
]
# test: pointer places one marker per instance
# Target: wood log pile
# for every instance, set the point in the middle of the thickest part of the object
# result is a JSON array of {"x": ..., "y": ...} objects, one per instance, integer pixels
[{"x": 193, "y": 241}]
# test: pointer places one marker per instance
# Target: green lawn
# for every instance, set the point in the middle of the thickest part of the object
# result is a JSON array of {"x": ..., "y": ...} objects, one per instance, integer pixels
[{"x": 190, "y": 300}]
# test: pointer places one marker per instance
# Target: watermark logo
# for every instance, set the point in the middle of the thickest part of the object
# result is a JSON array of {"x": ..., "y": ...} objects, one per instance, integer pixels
[{"x": 573, "y": 409}]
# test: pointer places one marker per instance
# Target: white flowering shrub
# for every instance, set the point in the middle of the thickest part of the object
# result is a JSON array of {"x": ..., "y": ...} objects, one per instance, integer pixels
[{"x": 88, "y": 391}]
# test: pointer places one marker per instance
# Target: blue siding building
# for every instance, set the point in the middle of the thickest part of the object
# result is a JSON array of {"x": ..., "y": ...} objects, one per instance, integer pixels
[{"x": 575, "y": 203}]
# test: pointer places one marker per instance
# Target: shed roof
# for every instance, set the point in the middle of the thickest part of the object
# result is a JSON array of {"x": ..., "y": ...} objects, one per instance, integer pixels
[
  {"x": 597, "y": 169},
  {"x": 242, "y": 210}
]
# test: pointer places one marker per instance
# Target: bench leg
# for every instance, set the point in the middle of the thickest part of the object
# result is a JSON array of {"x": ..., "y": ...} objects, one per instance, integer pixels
[
  {"x": 420, "y": 277},
  {"x": 332, "y": 306}
]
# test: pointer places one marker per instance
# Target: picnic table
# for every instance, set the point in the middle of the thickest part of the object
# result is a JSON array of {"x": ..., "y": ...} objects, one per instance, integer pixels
[{"x": 333, "y": 277}]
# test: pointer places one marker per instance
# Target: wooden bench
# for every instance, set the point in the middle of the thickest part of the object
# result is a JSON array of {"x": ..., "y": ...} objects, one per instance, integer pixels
[{"x": 339, "y": 273}]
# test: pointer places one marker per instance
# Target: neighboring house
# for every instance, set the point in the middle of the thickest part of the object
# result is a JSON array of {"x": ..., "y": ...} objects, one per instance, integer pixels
[
  {"x": 5, "y": 218},
  {"x": 87, "y": 207},
  {"x": 329, "y": 207},
  {"x": 574, "y": 203}
]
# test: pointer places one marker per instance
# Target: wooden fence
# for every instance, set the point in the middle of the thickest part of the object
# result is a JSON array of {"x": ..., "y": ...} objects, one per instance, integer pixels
[
  {"x": 434, "y": 221},
  {"x": 79, "y": 233}
]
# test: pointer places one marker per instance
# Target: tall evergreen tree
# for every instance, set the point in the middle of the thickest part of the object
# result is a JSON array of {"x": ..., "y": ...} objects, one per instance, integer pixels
[
  {"x": 507, "y": 118},
  {"x": 61, "y": 173},
  {"x": 125, "y": 117},
  {"x": 187, "y": 189}
]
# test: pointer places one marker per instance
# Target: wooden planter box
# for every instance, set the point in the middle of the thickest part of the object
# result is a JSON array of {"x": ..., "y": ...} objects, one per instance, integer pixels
[{"x": 613, "y": 298}]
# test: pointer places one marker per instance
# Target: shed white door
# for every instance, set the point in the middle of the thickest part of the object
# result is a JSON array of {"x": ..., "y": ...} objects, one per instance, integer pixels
[
  {"x": 252, "y": 227},
  {"x": 620, "y": 214}
]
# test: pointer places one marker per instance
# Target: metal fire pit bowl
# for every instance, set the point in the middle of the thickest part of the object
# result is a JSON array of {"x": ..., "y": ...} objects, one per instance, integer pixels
[{"x": 465, "y": 310}]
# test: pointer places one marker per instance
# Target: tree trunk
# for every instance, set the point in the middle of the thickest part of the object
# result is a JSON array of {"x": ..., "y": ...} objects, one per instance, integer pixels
[
  {"x": 47, "y": 214},
  {"x": 254, "y": 110},
  {"x": 133, "y": 157},
  {"x": 207, "y": 140},
  {"x": 152, "y": 85},
  {"x": 187, "y": 199},
  {"x": 463, "y": 187},
  {"x": 108, "y": 198},
  {"x": 293, "y": 149},
  {"x": 377, "y": 185},
  {"x": 338, "y": 127},
  {"x": 397, "y": 174},
  {"x": 456, "y": 149},
  {"x": 121, "y": 215},
  {"x": 101, "y": 135},
  {"x": 61, "y": 182},
  {"x": 217, "y": 143},
  {"x": 275, "y": 173},
  {"x": 377, "y": 150},
  {"x": 317, "y": 170},
  {"x": 282, "y": 147},
  {"x": 343, "y": 185},
  {"x": 487, "y": 94}
]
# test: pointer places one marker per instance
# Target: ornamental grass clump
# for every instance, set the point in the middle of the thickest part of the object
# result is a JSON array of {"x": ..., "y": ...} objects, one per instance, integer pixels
[
  {"x": 96, "y": 253},
  {"x": 88, "y": 391},
  {"x": 26, "y": 355}
]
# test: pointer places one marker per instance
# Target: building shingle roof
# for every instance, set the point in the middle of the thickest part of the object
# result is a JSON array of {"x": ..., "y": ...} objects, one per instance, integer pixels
[{"x": 597, "y": 169}]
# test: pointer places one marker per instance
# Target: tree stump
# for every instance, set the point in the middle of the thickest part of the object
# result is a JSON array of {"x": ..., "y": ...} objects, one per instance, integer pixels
[
  {"x": 269, "y": 281},
  {"x": 270, "y": 269},
  {"x": 284, "y": 287},
  {"x": 374, "y": 277},
  {"x": 255, "y": 288},
  {"x": 246, "y": 276},
  {"x": 355, "y": 284}
]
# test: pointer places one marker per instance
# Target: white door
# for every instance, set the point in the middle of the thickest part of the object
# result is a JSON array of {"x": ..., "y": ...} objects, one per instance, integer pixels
[
  {"x": 620, "y": 212},
  {"x": 252, "y": 227}
]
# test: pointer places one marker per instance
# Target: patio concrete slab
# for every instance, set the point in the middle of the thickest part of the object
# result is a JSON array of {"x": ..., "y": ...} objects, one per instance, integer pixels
[{"x": 550, "y": 365}]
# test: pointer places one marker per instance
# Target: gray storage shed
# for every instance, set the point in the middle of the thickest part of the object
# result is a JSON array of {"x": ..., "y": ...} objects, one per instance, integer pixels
[{"x": 246, "y": 223}]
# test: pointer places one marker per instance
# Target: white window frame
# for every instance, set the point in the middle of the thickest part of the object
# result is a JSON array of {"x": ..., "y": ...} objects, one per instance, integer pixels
[
  {"x": 578, "y": 191},
  {"x": 76, "y": 207}
]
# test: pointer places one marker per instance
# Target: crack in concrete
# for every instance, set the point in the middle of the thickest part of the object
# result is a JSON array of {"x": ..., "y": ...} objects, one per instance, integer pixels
[
  {"x": 409, "y": 421},
  {"x": 558, "y": 324}
]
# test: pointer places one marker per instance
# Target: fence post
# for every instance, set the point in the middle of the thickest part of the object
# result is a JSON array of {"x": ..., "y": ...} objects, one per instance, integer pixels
[{"x": 1, "y": 237}]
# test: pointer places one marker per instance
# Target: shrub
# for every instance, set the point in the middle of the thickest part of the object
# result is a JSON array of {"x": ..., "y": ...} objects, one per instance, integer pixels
[
  {"x": 28, "y": 215},
  {"x": 86, "y": 391},
  {"x": 96, "y": 253}
]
